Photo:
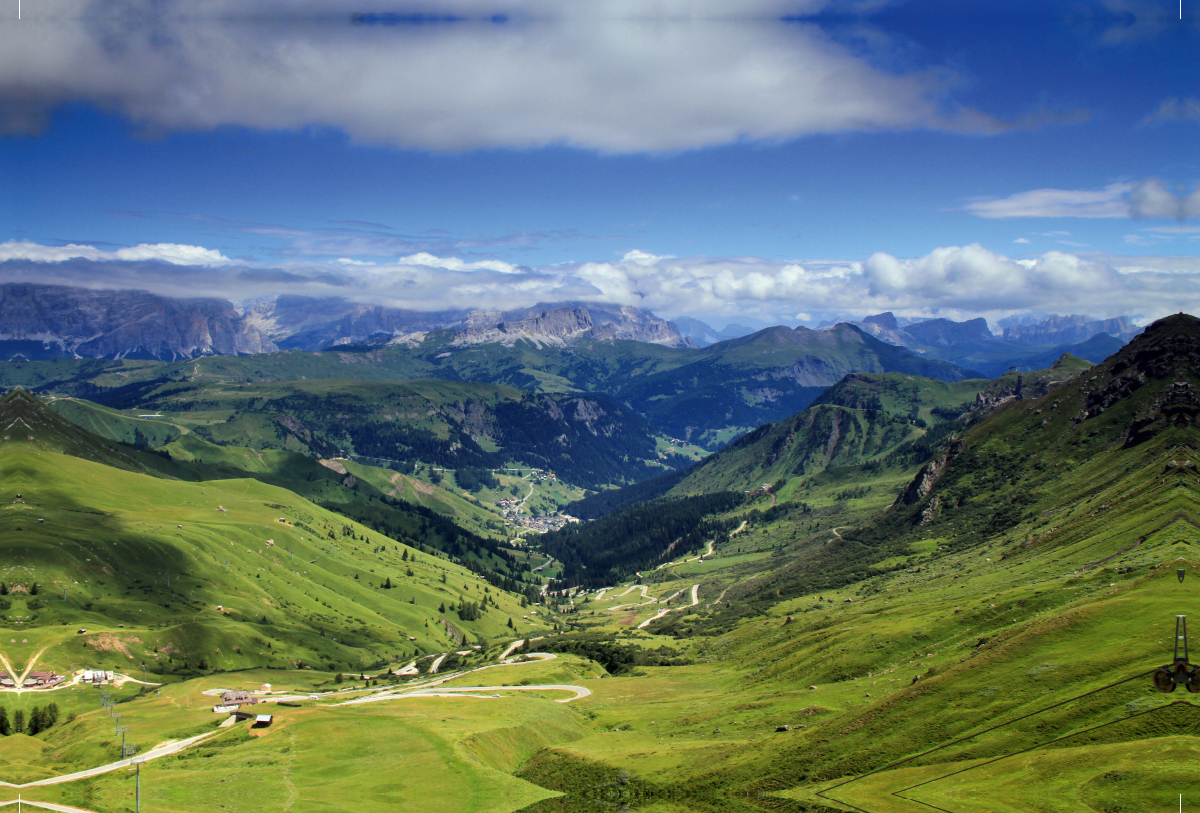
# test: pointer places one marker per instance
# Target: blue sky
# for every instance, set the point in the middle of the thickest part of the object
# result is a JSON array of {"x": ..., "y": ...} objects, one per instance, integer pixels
[{"x": 840, "y": 139}]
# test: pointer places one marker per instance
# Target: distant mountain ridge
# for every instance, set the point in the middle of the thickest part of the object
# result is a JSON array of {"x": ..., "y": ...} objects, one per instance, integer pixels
[
  {"x": 58, "y": 321},
  {"x": 54, "y": 321},
  {"x": 1025, "y": 345},
  {"x": 304, "y": 323}
]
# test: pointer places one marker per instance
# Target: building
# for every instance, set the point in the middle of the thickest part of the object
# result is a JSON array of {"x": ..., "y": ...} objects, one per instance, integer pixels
[
  {"x": 238, "y": 697},
  {"x": 35, "y": 679}
]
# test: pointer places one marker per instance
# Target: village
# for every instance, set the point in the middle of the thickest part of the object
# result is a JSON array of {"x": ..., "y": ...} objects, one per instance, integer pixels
[{"x": 513, "y": 509}]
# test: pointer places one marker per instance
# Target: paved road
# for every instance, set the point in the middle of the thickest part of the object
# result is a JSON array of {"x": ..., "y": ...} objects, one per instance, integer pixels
[
  {"x": 49, "y": 806},
  {"x": 661, "y": 613},
  {"x": 433, "y": 667},
  {"x": 455, "y": 691},
  {"x": 153, "y": 753},
  {"x": 511, "y": 647}
]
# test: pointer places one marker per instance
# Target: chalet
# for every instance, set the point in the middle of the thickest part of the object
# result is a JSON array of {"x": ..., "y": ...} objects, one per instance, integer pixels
[
  {"x": 238, "y": 697},
  {"x": 262, "y": 721},
  {"x": 6, "y": 680},
  {"x": 43, "y": 679}
]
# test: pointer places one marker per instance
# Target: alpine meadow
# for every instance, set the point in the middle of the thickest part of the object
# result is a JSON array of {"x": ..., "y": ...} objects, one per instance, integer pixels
[{"x": 662, "y": 407}]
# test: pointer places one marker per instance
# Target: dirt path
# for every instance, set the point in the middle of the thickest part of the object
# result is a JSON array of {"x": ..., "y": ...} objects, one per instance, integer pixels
[
  {"x": 739, "y": 528},
  {"x": 437, "y": 662},
  {"x": 835, "y": 531}
]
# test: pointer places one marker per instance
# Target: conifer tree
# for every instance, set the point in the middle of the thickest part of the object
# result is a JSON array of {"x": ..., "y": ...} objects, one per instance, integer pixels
[
  {"x": 18, "y": 721},
  {"x": 5, "y": 726}
]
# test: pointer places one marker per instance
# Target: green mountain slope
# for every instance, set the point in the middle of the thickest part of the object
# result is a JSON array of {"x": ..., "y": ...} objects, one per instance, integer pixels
[
  {"x": 704, "y": 395},
  {"x": 981, "y": 638},
  {"x": 984, "y": 644},
  {"x": 587, "y": 440},
  {"x": 295, "y": 583}
]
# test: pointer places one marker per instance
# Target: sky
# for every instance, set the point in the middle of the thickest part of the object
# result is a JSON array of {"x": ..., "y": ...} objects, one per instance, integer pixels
[{"x": 790, "y": 163}]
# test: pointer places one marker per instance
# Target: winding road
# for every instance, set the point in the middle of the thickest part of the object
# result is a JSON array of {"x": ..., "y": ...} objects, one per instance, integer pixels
[{"x": 661, "y": 613}]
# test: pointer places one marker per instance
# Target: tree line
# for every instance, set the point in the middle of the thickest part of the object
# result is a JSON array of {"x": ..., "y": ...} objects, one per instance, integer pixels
[{"x": 40, "y": 718}]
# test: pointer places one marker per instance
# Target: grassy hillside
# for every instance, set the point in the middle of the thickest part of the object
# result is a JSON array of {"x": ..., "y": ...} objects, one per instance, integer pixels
[
  {"x": 588, "y": 440},
  {"x": 977, "y": 636},
  {"x": 296, "y": 583}
]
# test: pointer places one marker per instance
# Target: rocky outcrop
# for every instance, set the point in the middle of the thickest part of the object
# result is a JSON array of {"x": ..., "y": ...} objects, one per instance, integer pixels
[
  {"x": 556, "y": 328},
  {"x": 927, "y": 477},
  {"x": 79, "y": 322},
  {"x": 305, "y": 323}
]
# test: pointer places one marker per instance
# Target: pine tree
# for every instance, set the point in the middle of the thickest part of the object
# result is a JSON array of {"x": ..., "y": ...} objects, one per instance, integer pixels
[
  {"x": 37, "y": 721},
  {"x": 5, "y": 726},
  {"x": 18, "y": 721},
  {"x": 510, "y": 624},
  {"x": 51, "y": 714},
  {"x": 3, "y": 589},
  {"x": 33, "y": 591},
  {"x": 404, "y": 556}
]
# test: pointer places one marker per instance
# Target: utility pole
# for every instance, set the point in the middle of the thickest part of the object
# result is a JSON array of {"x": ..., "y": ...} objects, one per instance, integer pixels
[
  {"x": 122, "y": 731},
  {"x": 117, "y": 727},
  {"x": 137, "y": 792}
]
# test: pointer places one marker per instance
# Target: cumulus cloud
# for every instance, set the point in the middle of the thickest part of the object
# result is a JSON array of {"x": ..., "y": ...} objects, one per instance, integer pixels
[
  {"x": 956, "y": 282},
  {"x": 615, "y": 76},
  {"x": 173, "y": 253},
  {"x": 1152, "y": 199},
  {"x": 456, "y": 264}
]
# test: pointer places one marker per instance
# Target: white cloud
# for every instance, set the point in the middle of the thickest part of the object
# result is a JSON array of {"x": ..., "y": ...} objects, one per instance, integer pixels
[
  {"x": 1111, "y": 201},
  {"x": 172, "y": 253},
  {"x": 617, "y": 76},
  {"x": 957, "y": 282},
  {"x": 1145, "y": 199},
  {"x": 456, "y": 264},
  {"x": 1021, "y": 240}
]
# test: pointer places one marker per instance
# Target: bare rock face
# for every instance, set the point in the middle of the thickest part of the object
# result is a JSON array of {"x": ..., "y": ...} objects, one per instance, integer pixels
[
  {"x": 122, "y": 324},
  {"x": 556, "y": 327},
  {"x": 304, "y": 323}
]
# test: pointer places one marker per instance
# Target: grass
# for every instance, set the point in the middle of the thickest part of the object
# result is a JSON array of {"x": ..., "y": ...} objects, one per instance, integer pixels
[{"x": 1000, "y": 622}]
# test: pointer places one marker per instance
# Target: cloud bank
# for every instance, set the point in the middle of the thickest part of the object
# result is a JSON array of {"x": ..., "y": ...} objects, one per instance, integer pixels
[
  {"x": 616, "y": 76},
  {"x": 955, "y": 282},
  {"x": 1146, "y": 199}
]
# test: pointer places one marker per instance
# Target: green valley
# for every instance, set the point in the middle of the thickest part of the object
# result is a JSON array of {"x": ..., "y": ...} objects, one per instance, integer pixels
[{"x": 912, "y": 593}]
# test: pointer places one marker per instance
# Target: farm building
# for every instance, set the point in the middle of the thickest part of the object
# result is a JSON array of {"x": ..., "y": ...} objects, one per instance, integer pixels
[{"x": 238, "y": 697}]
